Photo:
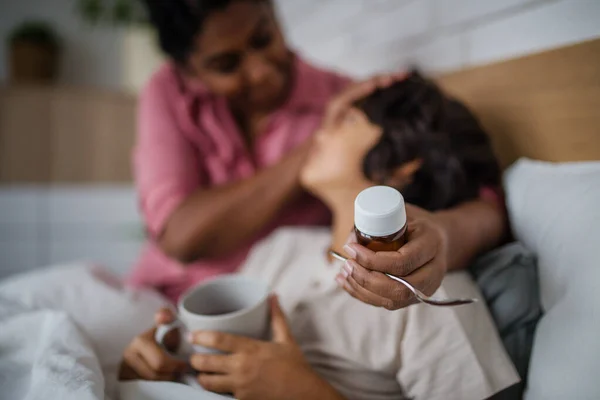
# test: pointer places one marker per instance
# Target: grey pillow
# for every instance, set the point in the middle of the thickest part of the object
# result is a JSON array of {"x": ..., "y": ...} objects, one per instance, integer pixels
[{"x": 508, "y": 280}]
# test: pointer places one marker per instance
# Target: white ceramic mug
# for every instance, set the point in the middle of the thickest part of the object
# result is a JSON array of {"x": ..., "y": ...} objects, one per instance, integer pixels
[{"x": 233, "y": 304}]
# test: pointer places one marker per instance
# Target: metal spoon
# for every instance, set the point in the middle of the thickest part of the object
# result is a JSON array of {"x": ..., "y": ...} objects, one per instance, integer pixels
[{"x": 422, "y": 297}]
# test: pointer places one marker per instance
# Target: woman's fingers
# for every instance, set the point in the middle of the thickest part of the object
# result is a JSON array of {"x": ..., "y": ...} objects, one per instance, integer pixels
[
  {"x": 399, "y": 263},
  {"x": 422, "y": 247},
  {"x": 355, "y": 92},
  {"x": 379, "y": 284},
  {"x": 427, "y": 279},
  {"x": 216, "y": 383},
  {"x": 396, "y": 77},
  {"x": 360, "y": 293},
  {"x": 342, "y": 102},
  {"x": 384, "y": 81}
]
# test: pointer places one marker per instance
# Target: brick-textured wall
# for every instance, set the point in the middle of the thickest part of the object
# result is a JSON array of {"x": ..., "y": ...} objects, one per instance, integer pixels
[{"x": 362, "y": 37}]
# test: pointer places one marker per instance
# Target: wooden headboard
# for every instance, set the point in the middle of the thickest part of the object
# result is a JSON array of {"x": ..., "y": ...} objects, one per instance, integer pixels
[{"x": 544, "y": 106}]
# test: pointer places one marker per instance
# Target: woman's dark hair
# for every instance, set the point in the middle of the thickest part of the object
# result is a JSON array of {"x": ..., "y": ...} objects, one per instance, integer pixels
[
  {"x": 420, "y": 122},
  {"x": 179, "y": 21}
]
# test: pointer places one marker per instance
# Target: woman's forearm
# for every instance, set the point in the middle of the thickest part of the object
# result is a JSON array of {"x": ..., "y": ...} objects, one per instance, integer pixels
[
  {"x": 472, "y": 228},
  {"x": 215, "y": 221}
]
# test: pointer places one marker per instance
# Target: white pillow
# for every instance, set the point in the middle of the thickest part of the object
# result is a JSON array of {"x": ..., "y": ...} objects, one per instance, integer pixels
[{"x": 555, "y": 212}]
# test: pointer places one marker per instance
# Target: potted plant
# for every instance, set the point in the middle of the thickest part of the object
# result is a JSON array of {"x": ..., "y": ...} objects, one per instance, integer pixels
[
  {"x": 34, "y": 51},
  {"x": 140, "y": 54},
  {"x": 117, "y": 12}
]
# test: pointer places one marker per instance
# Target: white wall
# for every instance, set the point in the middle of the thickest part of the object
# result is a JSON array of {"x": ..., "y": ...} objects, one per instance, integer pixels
[
  {"x": 91, "y": 55},
  {"x": 360, "y": 37},
  {"x": 42, "y": 225},
  {"x": 367, "y": 36}
]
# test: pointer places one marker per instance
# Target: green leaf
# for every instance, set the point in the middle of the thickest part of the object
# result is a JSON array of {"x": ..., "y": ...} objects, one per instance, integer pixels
[
  {"x": 122, "y": 12},
  {"x": 91, "y": 10},
  {"x": 118, "y": 12},
  {"x": 35, "y": 31}
]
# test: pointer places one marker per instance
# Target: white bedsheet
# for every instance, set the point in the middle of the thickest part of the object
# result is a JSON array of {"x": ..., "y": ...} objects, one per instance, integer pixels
[
  {"x": 43, "y": 355},
  {"x": 63, "y": 331}
]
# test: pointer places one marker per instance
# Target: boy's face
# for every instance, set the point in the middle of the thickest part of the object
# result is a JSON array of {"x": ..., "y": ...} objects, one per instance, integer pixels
[{"x": 338, "y": 152}]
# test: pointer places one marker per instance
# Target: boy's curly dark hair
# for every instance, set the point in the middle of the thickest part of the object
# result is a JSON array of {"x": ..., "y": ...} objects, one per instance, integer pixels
[
  {"x": 420, "y": 122},
  {"x": 179, "y": 21}
]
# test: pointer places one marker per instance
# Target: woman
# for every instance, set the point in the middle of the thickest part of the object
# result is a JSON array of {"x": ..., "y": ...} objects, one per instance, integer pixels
[
  {"x": 222, "y": 132},
  {"x": 432, "y": 149},
  {"x": 222, "y": 135}
]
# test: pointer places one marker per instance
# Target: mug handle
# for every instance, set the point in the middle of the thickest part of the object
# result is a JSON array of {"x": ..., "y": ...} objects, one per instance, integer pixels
[{"x": 162, "y": 331}]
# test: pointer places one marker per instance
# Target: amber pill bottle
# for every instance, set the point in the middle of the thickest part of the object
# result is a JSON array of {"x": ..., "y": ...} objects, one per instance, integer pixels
[{"x": 380, "y": 219}]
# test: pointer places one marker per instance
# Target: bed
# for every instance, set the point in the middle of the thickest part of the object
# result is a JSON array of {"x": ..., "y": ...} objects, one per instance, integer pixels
[
  {"x": 545, "y": 108},
  {"x": 544, "y": 111}
]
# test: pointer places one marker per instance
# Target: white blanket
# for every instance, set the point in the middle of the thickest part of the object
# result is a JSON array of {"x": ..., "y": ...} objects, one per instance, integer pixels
[
  {"x": 45, "y": 356},
  {"x": 63, "y": 331}
]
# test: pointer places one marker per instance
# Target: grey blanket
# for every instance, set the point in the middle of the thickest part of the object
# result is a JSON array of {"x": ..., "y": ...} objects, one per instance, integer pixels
[{"x": 508, "y": 280}]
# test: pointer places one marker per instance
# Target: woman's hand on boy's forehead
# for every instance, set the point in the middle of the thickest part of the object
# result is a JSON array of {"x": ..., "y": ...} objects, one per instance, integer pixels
[{"x": 340, "y": 104}]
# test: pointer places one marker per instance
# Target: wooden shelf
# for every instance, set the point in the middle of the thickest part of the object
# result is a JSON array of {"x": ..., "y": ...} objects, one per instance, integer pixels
[{"x": 54, "y": 134}]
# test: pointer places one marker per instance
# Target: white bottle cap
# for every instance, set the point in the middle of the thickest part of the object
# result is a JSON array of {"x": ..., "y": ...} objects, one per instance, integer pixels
[{"x": 379, "y": 211}]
